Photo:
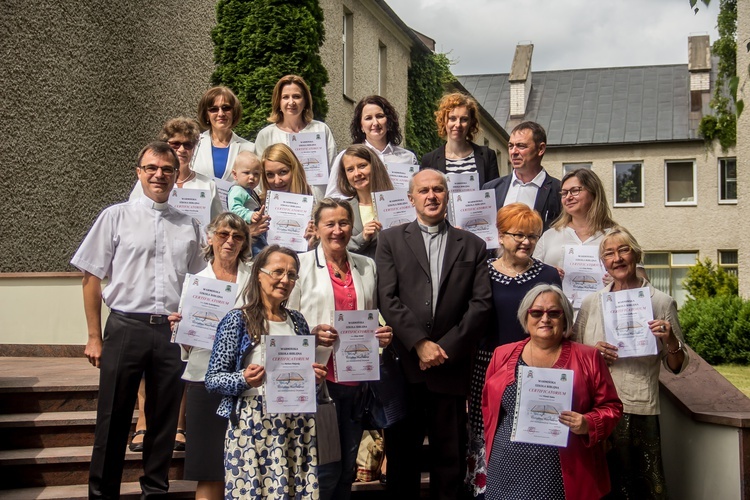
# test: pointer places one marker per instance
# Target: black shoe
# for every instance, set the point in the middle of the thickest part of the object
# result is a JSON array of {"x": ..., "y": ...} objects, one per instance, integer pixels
[
  {"x": 180, "y": 445},
  {"x": 137, "y": 447}
]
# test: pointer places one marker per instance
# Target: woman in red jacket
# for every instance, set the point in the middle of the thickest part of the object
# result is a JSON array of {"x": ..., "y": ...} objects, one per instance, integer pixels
[{"x": 523, "y": 470}]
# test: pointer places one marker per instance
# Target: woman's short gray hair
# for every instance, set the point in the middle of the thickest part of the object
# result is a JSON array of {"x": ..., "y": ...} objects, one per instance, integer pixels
[{"x": 531, "y": 296}]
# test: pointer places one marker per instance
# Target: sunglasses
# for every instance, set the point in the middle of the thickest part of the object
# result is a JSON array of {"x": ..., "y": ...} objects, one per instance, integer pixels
[
  {"x": 223, "y": 236},
  {"x": 176, "y": 145},
  {"x": 224, "y": 107},
  {"x": 551, "y": 313}
]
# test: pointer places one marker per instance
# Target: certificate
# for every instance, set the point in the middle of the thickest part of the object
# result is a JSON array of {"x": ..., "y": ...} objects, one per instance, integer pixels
[
  {"x": 289, "y": 386},
  {"x": 626, "y": 317},
  {"x": 194, "y": 202},
  {"x": 393, "y": 208},
  {"x": 459, "y": 183},
  {"x": 355, "y": 352},
  {"x": 475, "y": 211},
  {"x": 204, "y": 302},
  {"x": 222, "y": 188},
  {"x": 289, "y": 214},
  {"x": 583, "y": 272},
  {"x": 310, "y": 149},
  {"x": 400, "y": 174},
  {"x": 542, "y": 394}
]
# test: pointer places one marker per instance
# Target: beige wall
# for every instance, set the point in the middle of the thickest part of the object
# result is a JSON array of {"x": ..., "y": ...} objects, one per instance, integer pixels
[
  {"x": 371, "y": 27},
  {"x": 706, "y": 227},
  {"x": 743, "y": 145}
]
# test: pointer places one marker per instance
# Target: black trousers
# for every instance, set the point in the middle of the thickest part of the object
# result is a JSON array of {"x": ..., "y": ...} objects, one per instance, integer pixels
[
  {"x": 443, "y": 418},
  {"x": 133, "y": 349}
]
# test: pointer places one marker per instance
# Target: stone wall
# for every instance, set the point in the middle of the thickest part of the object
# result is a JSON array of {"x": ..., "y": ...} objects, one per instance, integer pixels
[{"x": 743, "y": 145}]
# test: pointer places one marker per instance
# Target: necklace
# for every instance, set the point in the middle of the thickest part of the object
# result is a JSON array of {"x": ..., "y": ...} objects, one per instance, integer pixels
[
  {"x": 337, "y": 270},
  {"x": 183, "y": 181},
  {"x": 513, "y": 270}
]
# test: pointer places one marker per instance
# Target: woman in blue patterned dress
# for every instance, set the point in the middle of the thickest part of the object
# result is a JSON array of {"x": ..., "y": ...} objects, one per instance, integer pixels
[{"x": 265, "y": 455}]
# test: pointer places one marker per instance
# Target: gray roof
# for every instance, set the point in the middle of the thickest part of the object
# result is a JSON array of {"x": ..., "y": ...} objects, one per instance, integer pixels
[{"x": 597, "y": 106}]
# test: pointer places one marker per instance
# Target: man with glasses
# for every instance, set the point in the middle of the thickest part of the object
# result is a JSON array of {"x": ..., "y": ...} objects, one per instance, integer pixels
[
  {"x": 144, "y": 247},
  {"x": 528, "y": 183},
  {"x": 434, "y": 290}
]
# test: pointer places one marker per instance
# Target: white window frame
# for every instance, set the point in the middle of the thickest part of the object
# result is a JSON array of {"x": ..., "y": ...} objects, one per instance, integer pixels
[
  {"x": 691, "y": 203},
  {"x": 732, "y": 268},
  {"x": 347, "y": 41},
  {"x": 614, "y": 184},
  {"x": 569, "y": 167},
  {"x": 671, "y": 266},
  {"x": 720, "y": 173}
]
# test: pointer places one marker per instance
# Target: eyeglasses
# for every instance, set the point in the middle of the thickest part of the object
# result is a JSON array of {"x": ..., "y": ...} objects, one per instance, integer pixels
[
  {"x": 519, "y": 237},
  {"x": 621, "y": 251},
  {"x": 224, "y": 236},
  {"x": 176, "y": 145},
  {"x": 152, "y": 169},
  {"x": 551, "y": 313},
  {"x": 278, "y": 274},
  {"x": 574, "y": 192},
  {"x": 224, "y": 107}
]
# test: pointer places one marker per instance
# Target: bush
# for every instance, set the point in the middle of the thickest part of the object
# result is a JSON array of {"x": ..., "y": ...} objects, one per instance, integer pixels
[
  {"x": 705, "y": 280},
  {"x": 707, "y": 323}
]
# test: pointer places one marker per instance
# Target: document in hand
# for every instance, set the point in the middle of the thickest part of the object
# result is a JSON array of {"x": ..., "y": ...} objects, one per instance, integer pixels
[
  {"x": 310, "y": 149},
  {"x": 542, "y": 394},
  {"x": 475, "y": 211},
  {"x": 289, "y": 214},
  {"x": 204, "y": 303},
  {"x": 393, "y": 208},
  {"x": 355, "y": 353},
  {"x": 194, "y": 202},
  {"x": 290, "y": 377},
  {"x": 626, "y": 317}
]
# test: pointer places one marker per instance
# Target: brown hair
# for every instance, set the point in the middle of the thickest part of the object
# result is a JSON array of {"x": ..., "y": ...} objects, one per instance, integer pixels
[
  {"x": 454, "y": 100},
  {"x": 182, "y": 126},
  {"x": 537, "y": 131},
  {"x": 208, "y": 100},
  {"x": 598, "y": 217},
  {"x": 283, "y": 154},
  {"x": 379, "y": 179},
  {"x": 393, "y": 131},
  {"x": 162, "y": 150},
  {"x": 276, "y": 115}
]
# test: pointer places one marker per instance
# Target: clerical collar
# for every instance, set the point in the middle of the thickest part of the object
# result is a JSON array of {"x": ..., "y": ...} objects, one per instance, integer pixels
[
  {"x": 148, "y": 202},
  {"x": 438, "y": 228}
]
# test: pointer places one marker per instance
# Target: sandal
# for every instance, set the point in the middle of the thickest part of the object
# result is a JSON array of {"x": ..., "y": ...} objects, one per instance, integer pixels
[
  {"x": 180, "y": 445},
  {"x": 137, "y": 447}
]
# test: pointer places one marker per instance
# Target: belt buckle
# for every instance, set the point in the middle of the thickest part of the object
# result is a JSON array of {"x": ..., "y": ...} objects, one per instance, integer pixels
[{"x": 155, "y": 319}]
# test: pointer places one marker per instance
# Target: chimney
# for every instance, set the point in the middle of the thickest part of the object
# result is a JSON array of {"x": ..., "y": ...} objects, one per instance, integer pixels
[
  {"x": 699, "y": 68},
  {"x": 520, "y": 80}
]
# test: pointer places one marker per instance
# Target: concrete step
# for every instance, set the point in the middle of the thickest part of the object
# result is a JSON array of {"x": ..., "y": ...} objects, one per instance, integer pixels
[
  {"x": 68, "y": 465},
  {"x": 128, "y": 491}
]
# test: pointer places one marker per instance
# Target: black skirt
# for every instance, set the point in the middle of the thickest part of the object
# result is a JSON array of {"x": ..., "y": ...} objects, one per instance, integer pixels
[{"x": 204, "y": 436}]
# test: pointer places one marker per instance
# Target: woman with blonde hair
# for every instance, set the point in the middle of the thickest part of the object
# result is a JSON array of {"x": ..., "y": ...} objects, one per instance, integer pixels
[
  {"x": 282, "y": 171},
  {"x": 219, "y": 111},
  {"x": 292, "y": 113},
  {"x": 457, "y": 121}
]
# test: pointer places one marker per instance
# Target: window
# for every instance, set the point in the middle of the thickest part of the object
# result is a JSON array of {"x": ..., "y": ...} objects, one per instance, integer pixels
[
  {"x": 728, "y": 180},
  {"x": 679, "y": 183},
  {"x": 666, "y": 270},
  {"x": 569, "y": 167},
  {"x": 382, "y": 68},
  {"x": 729, "y": 261},
  {"x": 628, "y": 184},
  {"x": 348, "y": 63}
]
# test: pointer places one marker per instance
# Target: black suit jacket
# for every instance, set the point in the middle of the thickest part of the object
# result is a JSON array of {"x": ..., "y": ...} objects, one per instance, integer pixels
[
  {"x": 462, "y": 310},
  {"x": 485, "y": 158},
  {"x": 548, "y": 202}
]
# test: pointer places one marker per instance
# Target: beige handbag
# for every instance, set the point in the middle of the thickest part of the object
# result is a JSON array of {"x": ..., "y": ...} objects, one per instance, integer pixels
[{"x": 370, "y": 456}]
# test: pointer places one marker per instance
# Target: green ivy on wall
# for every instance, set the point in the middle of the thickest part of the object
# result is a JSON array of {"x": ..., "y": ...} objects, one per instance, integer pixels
[
  {"x": 256, "y": 42},
  {"x": 428, "y": 74}
]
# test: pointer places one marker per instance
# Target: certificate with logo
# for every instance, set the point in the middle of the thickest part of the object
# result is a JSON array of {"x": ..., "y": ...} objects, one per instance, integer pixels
[
  {"x": 310, "y": 149},
  {"x": 289, "y": 214},
  {"x": 204, "y": 303},
  {"x": 542, "y": 394},
  {"x": 222, "y": 188},
  {"x": 401, "y": 173},
  {"x": 583, "y": 272},
  {"x": 626, "y": 317},
  {"x": 289, "y": 386},
  {"x": 355, "y": 353},
  {"x": 194, "y": 202},
  {"x": 459, "y": 183},
  {"x": 475, "y": 211},
  {"x": 393, "y": 208}
]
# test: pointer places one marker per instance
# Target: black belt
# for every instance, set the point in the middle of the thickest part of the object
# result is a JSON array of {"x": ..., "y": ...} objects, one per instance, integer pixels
[{"x": 151, "y": 319}]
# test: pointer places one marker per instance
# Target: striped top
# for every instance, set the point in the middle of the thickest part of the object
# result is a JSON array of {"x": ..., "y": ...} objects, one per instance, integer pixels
[{"x": 461, "y": 165}]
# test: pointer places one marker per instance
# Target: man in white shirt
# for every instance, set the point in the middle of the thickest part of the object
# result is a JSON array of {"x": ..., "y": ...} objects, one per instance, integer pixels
[
  {"x": 145, "y": 247},
  {"x": 529, "y": 183}
]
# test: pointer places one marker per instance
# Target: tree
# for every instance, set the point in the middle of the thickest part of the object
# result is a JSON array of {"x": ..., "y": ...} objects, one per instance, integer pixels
[
  {"x": 256, "y": 42},
  {"x": 705, "y": 280}
]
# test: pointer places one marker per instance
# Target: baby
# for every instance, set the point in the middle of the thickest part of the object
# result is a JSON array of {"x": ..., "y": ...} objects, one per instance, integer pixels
[{"x": 245, "y": 202}]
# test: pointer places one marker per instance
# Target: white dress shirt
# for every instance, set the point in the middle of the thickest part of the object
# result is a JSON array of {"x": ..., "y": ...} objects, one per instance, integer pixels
[
  {"x": 199, "y": 181},
  {"x": 274, "y": 135},
  {"x": 145, "y": 249},
  {"x": 519, "y": 192}
]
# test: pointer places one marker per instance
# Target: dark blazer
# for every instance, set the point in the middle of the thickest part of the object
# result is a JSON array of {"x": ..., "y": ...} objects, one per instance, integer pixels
[
  {"x": 462, "y": 310},
  {"x": 485, "y": 158},
  {"x": 548, "y": 202}
]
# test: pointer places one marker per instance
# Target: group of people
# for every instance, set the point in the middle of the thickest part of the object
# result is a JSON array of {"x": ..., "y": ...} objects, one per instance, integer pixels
[{"x": 462, "y": 324}]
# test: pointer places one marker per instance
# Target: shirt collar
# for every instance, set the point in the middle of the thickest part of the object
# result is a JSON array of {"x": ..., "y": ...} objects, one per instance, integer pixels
[
  {"x": 386, "y": 151},
  {"x": 148, "y": 202},
  {"x": 537, "y": 181}
]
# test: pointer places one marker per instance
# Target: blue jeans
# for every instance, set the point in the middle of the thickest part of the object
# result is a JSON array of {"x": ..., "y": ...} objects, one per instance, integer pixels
[{"x": 336, "y": 478}]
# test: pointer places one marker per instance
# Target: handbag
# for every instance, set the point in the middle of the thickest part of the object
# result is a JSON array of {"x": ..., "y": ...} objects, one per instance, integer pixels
[
  {"x": 384, "y": 401},
  {"x": 327, "y": 425}
]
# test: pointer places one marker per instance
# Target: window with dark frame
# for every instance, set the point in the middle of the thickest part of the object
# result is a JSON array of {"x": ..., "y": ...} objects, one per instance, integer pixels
[
  {"x": 728, "y": 179},
  {"x": 628, "y": 183}
]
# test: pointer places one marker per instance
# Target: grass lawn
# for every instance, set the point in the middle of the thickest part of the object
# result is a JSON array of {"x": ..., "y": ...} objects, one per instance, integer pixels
[{"x": 738, "y": 375}]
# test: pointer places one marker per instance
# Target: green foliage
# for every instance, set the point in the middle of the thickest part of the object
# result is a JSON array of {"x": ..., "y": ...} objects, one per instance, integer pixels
[
  {"x": 712, "y": 327},
  {"x": 427, "y": 76},
  {"x": 256, "y": 42},
  {"x": 705, "y": 280}
]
